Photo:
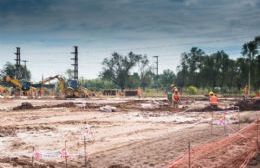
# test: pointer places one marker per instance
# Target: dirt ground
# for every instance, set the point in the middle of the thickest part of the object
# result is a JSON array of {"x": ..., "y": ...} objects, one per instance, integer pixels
[{"x": 141, "y": 133}]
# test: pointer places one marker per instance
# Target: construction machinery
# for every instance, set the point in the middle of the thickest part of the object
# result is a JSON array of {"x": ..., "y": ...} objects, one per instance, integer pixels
[
  {"x": 20, "y": 85},
  {"x": 69, "y": 88}
]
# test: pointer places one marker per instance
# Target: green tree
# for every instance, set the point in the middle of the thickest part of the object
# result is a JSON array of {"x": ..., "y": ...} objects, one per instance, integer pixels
[
  {"x": 167, "y": 78},
  {"x": 69, "y": 73},
  {"x": 97, "y": 84},
  {"x": 117, "y": 68},
  {"x": 133, "y": 81},
  {"x": 10, "y": 69},
  {"x": 249, "y": 50},
  {"x": 145, "y": 72}
]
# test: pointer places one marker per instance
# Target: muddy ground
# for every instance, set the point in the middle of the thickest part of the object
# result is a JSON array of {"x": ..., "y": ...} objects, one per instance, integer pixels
[{"x": 141, "y": 133}]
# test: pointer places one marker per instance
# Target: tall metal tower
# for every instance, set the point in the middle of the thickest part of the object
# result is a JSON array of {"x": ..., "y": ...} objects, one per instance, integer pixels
[
  {"x": 18, "y": 63},
  {"x": 76, "y": 63},
  {"x": 157, "y": 69}
]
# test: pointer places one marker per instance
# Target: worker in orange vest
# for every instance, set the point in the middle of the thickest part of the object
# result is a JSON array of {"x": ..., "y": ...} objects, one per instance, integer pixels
[
  {"x": 213, "y": 100},
  {"x": 176, "y": 98}
]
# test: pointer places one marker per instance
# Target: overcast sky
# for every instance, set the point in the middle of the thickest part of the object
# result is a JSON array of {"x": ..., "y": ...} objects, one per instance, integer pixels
[{"x": 47, "y": 30}]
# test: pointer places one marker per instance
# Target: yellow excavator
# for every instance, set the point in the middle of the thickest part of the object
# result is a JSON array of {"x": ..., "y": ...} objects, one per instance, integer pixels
[
  {"x": 20, "y": 85},
  {"x": 69, "y": 89}
]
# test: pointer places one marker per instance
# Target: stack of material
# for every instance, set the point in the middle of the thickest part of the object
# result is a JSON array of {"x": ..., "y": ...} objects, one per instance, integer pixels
[{"x": 233, "y": 151}]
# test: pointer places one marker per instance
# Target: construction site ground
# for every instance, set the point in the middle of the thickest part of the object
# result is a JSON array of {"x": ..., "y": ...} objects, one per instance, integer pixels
[{"x": 139, "y": 133}]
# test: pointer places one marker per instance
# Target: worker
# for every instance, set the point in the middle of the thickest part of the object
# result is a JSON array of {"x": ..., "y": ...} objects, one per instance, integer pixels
[
  {"x": 246, "y": 92},
  {"x": 170, "y": 92},
  {"x": 176, "y": 98},
  {"x": 213, "y": 100},
  {"x": 139, "y": 92}
]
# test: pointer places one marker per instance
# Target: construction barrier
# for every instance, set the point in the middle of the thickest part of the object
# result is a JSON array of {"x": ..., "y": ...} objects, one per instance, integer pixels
[{"x": 235, "y": 150}]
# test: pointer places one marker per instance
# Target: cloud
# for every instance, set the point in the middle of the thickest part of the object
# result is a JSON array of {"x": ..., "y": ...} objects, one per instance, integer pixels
[{"x": 102, "y": 26}]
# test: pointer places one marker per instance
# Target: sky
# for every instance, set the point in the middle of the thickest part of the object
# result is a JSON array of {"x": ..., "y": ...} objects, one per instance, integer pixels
[{"x": 47, "y": 30}]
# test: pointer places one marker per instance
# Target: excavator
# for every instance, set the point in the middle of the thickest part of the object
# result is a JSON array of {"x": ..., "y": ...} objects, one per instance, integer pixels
[
  {"x": 20, "y": 85},
  {"x": 69, "y": 89}
]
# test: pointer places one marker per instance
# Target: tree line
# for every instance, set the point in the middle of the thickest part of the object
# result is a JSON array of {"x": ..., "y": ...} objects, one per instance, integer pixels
[
  {"x": 196, "y": 68},
  {"x": 218, "y": 70}
]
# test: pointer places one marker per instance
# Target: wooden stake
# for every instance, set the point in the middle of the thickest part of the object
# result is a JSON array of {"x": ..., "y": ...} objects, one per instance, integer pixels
[
  {"x": 33, "y": 157},
  {"x": 189, "y": 146},
  {"x": 85, "y": 150},
  {"x": 238, "y": 120},
  {"x": 257, "y": 135},
  {"x": 225, "y": 123},
  {"x": 66, "y": 159},
  {"x": 211, "y": 125}
]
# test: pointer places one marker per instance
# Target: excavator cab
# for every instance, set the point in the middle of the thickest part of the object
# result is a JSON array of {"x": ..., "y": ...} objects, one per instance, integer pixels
[
  {"x": 72, "y": 83},
  {"x": 25, "y": 85}
]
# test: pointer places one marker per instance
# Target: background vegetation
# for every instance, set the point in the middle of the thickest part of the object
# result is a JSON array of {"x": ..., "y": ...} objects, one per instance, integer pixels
[{"x": 197, "y": 73}]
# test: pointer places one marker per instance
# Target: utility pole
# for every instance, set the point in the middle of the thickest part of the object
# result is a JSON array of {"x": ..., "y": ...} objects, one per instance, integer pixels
[
  {"x": 25, "y": 63},
  {"x": 25, "y": 69},
  {"x": 157, "y": 69},
  {"x": 76, "y": 64},
  {"x": 18, "y": 63},
  {"x": 249, "y": 76}
]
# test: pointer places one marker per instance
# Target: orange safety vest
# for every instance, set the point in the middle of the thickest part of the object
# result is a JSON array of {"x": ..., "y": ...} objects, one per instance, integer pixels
[
  {"x": 176, "y": 97},
  {"x": 214, "y": 100}
]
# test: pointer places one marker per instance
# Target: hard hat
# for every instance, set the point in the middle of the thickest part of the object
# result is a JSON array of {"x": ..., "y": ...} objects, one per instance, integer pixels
[
  {"x": 211, "y": 93},
  {"x": 175, "y": 90}
]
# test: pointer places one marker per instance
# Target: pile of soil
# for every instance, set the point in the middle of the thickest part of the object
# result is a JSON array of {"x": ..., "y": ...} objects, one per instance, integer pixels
[
  {"x": 67, "y": 105},
  {"x": 24, "y": 106},
  {"x": 7, "y": 131},
  {"x": 118, "y": 166},
  {"x": 249, "y": 104},
  {"x": 29, "y": 106},
  {"x": 27, "y": 163},
  {"x": 205, "y": 109}
]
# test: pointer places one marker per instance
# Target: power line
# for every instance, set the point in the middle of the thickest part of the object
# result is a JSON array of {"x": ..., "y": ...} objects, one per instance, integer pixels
[
  {"x": 25, "y": 63},
  {"x": 227, "y": 38}
]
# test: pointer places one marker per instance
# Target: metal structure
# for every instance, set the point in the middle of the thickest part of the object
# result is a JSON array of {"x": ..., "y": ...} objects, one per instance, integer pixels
[
  {"x": 76, "y": 64},
  {"x": 18, "y": 63},
  {"x": 157, "y": 70}
]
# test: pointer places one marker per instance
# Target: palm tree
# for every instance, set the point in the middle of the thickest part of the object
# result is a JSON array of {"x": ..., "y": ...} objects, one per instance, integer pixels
[{"x": 249, "y": 50}]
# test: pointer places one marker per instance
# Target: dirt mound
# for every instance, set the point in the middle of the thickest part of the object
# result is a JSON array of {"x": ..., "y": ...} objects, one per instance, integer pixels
[
  {"x": 118, "y": 166},
  {"x": 67, "y": 105},
  {"x": 205, "y": 109},
  {"x": 26, "y": 162},
  {"x": 7, "y": 131},
  {"x": 12, "y": 130},
  {"x": 24, "y": 106},
  {"x": 29, "y": 106},
  {"x": 249, "y": 104}
]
